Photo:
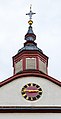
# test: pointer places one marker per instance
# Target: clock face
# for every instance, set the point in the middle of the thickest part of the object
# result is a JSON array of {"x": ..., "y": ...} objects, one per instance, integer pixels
[{"x": 31, "y": 91}]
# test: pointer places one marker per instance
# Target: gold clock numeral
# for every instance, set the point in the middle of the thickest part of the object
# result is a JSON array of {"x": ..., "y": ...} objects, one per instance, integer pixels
[
  {"x": 27, "y": 85},
  {"x": 31, "y": 84},
  {"x": 24, "y": 94},
  {"x": 40, "y": 91},
  {"x": 27, "y": 98},
  {"x": 31, "y": 98}
]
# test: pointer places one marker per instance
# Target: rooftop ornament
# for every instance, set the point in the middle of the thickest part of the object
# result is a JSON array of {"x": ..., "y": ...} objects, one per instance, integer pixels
[{"x": 30, "y": 16}]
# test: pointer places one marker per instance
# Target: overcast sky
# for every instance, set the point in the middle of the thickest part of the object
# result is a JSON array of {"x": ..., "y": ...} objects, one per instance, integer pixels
[{"x": 14, "y": 26}]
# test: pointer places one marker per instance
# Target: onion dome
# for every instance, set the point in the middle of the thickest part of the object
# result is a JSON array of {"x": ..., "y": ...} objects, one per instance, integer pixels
[{"x": 30, "y": 36}]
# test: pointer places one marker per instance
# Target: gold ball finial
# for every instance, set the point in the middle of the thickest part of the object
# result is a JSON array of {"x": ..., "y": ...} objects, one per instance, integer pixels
[{"x": 30, "y": 22}]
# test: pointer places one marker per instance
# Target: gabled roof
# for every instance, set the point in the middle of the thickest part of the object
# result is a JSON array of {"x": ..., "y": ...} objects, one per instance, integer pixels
[{"x": 30, "y": 73}]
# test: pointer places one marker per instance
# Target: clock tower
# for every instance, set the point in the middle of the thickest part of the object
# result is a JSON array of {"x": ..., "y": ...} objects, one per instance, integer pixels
[
  {"x": 30, "y": 58},
  {"x": 30, "y": 89}
]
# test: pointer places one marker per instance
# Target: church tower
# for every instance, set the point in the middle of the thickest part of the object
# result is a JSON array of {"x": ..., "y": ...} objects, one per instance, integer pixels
[
  {"x": 30, "y": 90},
  {"x": 30, "y": 58}
]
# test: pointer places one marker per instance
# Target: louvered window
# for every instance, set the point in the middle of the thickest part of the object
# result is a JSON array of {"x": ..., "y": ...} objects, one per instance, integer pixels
[
  {"x": 18, "y": 67},
  {"x": 30, "y": 63},
  {"x": 42, "y": 66}
]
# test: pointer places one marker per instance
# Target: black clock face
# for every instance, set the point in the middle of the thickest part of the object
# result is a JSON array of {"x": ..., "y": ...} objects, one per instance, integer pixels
[{"x": 31, "y": 91}]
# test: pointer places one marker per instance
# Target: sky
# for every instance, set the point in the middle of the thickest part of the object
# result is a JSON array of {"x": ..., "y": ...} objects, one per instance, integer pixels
[{"x": 14, "y": 26}]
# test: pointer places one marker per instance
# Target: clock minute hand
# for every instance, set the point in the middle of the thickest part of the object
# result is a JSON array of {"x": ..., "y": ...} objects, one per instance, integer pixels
[{"x": 32, "y": 91}]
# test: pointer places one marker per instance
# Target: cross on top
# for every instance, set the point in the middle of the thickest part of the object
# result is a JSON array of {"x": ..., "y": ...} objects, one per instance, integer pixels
[{"x": 30, "y": 13}]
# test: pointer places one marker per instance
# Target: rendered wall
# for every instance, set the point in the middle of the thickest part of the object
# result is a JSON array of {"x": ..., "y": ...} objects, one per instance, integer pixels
[
  {"x": 10, "y": 94},
  {"x": 30, "y": 116}
]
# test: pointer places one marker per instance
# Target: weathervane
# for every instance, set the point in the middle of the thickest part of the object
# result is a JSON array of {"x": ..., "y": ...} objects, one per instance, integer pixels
[{"x": 30, "y": 15}]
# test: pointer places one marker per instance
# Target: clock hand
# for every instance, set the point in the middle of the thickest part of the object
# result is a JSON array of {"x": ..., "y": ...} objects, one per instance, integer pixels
[{"x": 31, "y": 91}]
